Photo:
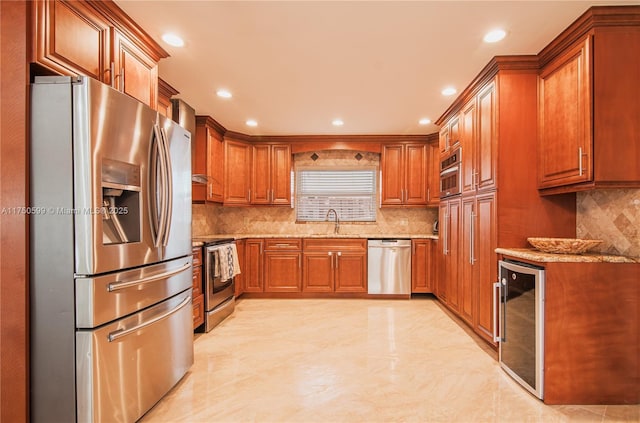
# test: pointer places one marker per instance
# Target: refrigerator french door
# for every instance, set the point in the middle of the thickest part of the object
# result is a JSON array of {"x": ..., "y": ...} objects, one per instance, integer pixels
[
  {"x": 521, "y": 311},
  {"x": 111, "y": 265}
]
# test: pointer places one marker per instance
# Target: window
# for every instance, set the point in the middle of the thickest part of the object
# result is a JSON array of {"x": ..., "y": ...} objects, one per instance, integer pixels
[{"x": 351, "y": 192}]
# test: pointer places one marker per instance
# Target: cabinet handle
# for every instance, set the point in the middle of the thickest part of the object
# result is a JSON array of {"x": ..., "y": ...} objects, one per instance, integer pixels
[
  {"x": 330, "y": 254},
  {"x": 445, "y": 247},
  {"x": 580, "y": 161},
  {"x": 210, "y": 190},
  {"x": 272, "y": 196},
  {"x": 475, "y": 179},
  {"x": 249, "y": 194},
  {"x": 471, "y": 237},
  {"x": 337, "y": 262},
  {"x": 299, "y": 261},
  {"x": 496, "y": 335}
]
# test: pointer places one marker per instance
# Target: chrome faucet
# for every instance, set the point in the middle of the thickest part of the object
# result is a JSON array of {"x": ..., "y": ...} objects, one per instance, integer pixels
[{"x": 337, "y": 227}]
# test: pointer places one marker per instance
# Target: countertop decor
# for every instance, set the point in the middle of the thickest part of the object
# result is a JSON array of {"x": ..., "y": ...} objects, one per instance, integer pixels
[{"x": 563, "y": 245}]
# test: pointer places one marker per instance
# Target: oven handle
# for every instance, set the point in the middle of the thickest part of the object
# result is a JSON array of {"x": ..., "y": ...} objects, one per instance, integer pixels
[
  {"x": 115, "y": 335},
  {"x": 496, "y": 311},
  {"x": 452, "y": 169},
  {"x": 114, "y": 286}
]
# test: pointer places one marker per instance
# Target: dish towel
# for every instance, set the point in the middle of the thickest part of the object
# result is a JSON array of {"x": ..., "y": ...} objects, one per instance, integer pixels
[{"x": 229, "y": 263}]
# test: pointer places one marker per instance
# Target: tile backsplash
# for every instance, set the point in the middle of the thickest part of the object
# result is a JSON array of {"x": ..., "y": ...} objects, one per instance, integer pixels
[
  {"x": 612, "y": 216},
  {"x": 211, "y": 218}
]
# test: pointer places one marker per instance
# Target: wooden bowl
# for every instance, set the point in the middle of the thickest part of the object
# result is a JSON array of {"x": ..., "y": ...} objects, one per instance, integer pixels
[{"x": 563, "y": 245}]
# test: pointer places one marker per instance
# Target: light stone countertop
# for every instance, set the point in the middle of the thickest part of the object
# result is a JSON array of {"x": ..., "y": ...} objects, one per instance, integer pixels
[
  {"x": 535, "y": 255},
  {"x": 198, "y": 240}
]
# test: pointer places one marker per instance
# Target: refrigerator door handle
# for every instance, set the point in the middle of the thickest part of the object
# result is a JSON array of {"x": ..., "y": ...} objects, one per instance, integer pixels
[
  {"x": 114, "y": 286},
  {"x": 159, "y": 188},
  {"x": 115, "y": 335},
  {"x": 168, "y": 187}
]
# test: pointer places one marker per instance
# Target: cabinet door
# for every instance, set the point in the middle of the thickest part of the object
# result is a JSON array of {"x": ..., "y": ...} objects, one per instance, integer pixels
[
  {"x": 239, "y": 279},
  {"x": 433, "y": 178},
  {"x": 215, "y": 166},
  {"x": 443, "y": 139},
  {"x": 487, "y": 139},
  {"x": 454, "y": 133},
  {"x": 392, "y": 167},
  {"x": 237, "y": 175},
  {"x": 282, "y": 271},
  {"x": 420, "y": 265},
  {"x": 253, "y": 265},
  {"x": 468, "y": 144},
  {"x": 136, "y": 74},
  {"x": 443, "y": 240},
  {"x": 72, "y": 39},
  {"x": 452, "y": 256},
  {"x": 564, "y": 118},
  {"x": 261, "y": 174},
  {"x": 350, "y": 272},
  {"x": 486, "y": 263},
  {"x": 467, "y": 262},
  {"x": 415, "y": 167},
  {"x": 318, "y": 271},
  {"x": 281, "y": 175}
]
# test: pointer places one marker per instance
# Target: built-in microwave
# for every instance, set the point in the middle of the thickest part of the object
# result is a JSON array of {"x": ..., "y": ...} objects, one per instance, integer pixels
[{"x": 450, "y": 174}]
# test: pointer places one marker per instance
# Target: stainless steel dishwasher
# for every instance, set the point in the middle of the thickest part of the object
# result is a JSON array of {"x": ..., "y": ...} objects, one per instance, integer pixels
[{"x": 389, "y": 266}]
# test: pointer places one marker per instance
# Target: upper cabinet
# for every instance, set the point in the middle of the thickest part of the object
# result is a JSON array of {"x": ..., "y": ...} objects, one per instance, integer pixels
[
  {"x": 450, "y": 135},
  {"x": 404, "y": 169},
  {"x": 208, "y": 160},
  {"x": 99, "y": 40},
  {"x": 237, "y": 172},
  {"x": 433, "y": 180},
  {"x": 165, "y": 92},
  {"x": 588, "y": 108},
  {"x": 271, "y": 174}
]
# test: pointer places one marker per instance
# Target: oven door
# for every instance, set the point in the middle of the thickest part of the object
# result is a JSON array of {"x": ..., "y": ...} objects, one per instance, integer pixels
[{"x": 217, "y": 291}]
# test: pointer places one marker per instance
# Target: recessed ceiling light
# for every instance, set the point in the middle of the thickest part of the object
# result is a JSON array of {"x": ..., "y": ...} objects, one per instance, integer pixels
[
  {"x": 424, "y": 121},
  {"x": 337, "y": 122},
  {"x": 494, "y": 36},
  {"x": 251, "y": 122},
  {"x": 224, "y": 93},
  {"x": 449, "y": 91},
  {"x": 173, "y": 40}
]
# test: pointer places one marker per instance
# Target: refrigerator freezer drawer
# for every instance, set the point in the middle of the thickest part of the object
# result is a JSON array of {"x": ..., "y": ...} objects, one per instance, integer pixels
[
  {"x": 124, "y": 368},
  {"x": 101, "y": 299}
]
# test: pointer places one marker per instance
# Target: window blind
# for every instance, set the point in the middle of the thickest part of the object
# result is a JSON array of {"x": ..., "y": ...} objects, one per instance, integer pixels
[{"x": 352, "y": 193}]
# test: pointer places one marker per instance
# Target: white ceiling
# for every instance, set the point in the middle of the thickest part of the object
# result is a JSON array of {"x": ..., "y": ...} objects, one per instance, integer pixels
[{"x": 294, "y": 66}]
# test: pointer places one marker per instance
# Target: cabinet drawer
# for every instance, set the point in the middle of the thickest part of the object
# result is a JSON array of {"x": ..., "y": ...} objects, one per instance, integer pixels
[
  {"x": 335, "y": 244},
  {"x": 277, "y": 244},
  {"x": 197, "y": 256},
  {"x": 198, "y": 310}
]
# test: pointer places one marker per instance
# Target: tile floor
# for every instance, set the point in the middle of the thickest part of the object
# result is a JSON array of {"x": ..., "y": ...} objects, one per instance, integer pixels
[{"x": 353, "y": 361}]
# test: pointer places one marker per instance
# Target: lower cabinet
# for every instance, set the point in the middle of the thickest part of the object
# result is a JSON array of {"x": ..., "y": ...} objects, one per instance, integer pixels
[
  {"x": 239, "y": 279},
  {"x": 422, "y": 266},
  {"x": 197, "y": 293},
  {"x": 253, "y": 280},
  {"x": 335, "y": 265},
  {"x": 283, "y": 265}
]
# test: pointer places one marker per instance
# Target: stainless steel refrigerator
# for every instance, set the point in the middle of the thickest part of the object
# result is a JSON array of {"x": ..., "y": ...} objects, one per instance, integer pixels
[{"x": 110, "y": 253}]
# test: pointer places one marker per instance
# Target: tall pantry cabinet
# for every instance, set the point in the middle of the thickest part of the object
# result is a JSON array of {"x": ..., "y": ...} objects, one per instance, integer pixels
[{"x": 494, "y": 123}]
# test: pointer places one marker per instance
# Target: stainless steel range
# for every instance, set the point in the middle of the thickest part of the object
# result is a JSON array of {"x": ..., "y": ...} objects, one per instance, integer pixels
[
  {"x": 220, "y": 266},
  {"x": 111, "y": 267}
]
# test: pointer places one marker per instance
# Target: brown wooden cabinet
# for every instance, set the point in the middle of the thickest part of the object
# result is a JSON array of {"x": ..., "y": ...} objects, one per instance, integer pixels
[
  {"x": 208, "y": 160},
  {"x": 136, "y": 72},
  {"x": 500, "y": 204},
  {"x": 335, "y": 265},
  {"x": 271, "y": 174},
  {"x": 588, "y": 105},
  {"x": 404, "y": 174},
  {"x": 239, "y": 278},
  {"x": 450, "y": 135},
  {"x": 98, "y": 40},
  {"x": 422, "y": 266},
  {"x": 283, "y": 265},
  {"x": 165, "y": 92},
  {"x": 433, "y": 178},
  {"x": 450, "y": 215},
  {"x": 197, "y": 292},
  {"x": 237, "y": 172},
  {"x": 253, "y": 265}
]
